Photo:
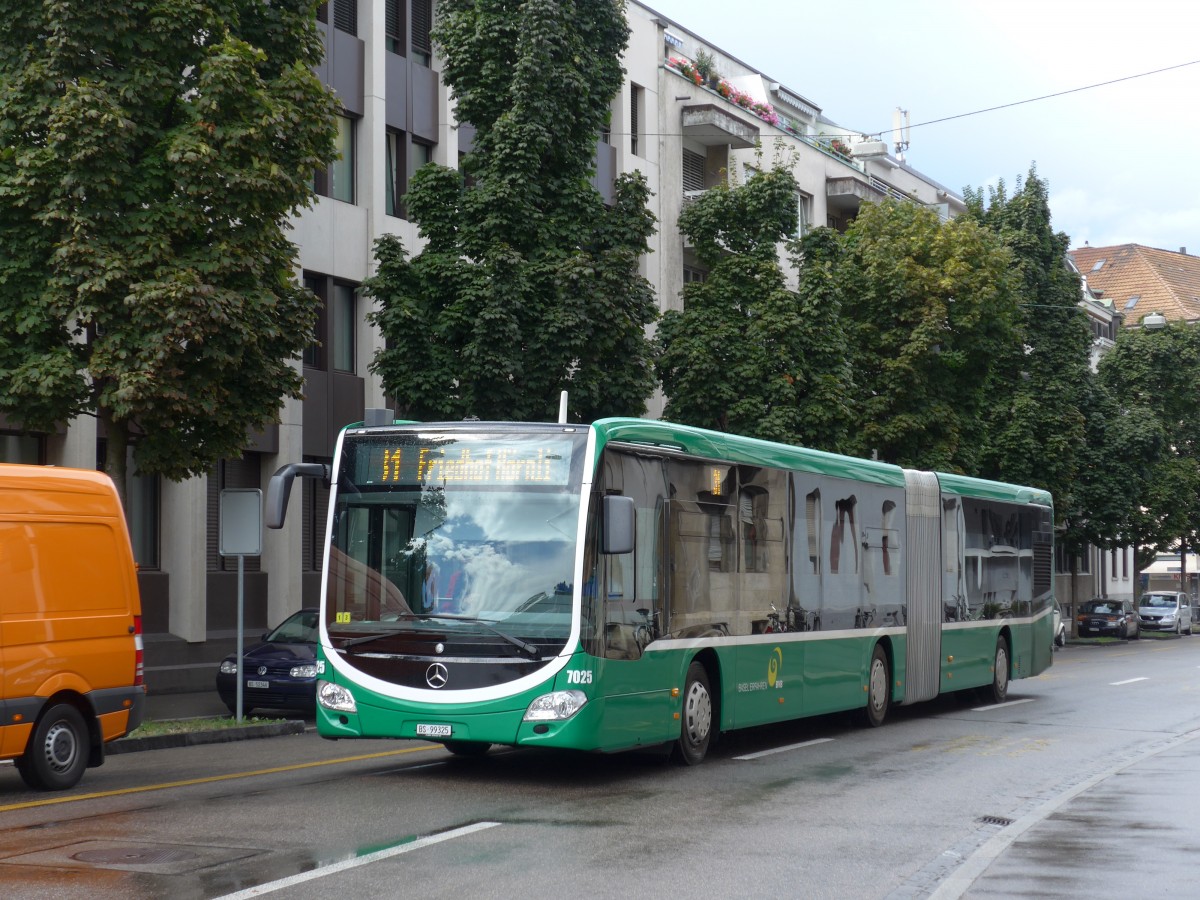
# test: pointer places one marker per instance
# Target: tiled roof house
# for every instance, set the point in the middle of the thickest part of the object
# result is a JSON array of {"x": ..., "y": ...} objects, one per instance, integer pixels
[{"x": 1141, "y": 280}]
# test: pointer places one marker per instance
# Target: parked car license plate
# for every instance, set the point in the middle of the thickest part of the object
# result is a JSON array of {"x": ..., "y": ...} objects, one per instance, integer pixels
[
  {"x": 434, "y": 730},
  {"x": 258, "y": 685}
]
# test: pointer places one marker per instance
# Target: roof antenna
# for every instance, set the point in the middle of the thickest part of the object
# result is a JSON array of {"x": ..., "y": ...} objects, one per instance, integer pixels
[{"x": 562, "y": 409}]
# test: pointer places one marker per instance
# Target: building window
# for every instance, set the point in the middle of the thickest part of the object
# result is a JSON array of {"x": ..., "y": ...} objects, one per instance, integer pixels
[
  {"x": 342, "y": 339},
  {"x": 316, "y": 510},
  {"x": 341, "y": 179},
  {"x": 394, "y": 183},
  {"x": 637, "y": 107},
  {"x": 229, "y": 473},
  {"x": 345, "y": 16},
  {"x": 143, "y": 501},
  {"x": 691, "y": 273},
  {"x": 21, "y": 448},
  {"x": 803, "y": 213},
  {"x": 394, "y": 26},
  {"x": 314, "y": 353},
  {"x": 693, "y": 171},
  {"x": 422, "y": 23}
]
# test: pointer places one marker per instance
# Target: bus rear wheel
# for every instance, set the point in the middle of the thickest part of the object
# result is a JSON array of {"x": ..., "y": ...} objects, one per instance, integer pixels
[
  {"x": 57, "y": 752},
  {"x": 879, "y": 680},
  {"x": 696, "y": 729}
]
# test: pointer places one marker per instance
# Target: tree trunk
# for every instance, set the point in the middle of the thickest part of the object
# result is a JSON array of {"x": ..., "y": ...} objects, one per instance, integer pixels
[{"x": 115, "y": 454}]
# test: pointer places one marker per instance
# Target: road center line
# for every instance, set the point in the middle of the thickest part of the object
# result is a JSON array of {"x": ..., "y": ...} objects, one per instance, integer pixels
[
  {"x": 356, "y": 861},
  {"x": 51, "y": 801},
  {"x": 761, "y": 753},
  {"x": 1128, "y": 681},
  {"x": 1002, "y": 705}
]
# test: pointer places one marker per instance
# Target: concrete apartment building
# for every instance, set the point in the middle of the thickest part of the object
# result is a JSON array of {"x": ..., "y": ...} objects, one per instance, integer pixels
[{"x": 397, "y": 115}]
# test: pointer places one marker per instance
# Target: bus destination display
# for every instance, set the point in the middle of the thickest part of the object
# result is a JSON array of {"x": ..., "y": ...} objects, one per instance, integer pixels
[{"x": 546, "y": 463}]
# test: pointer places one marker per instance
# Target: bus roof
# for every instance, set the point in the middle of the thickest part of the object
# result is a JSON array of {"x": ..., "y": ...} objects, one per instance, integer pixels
[{"x": 752, "y": 451}]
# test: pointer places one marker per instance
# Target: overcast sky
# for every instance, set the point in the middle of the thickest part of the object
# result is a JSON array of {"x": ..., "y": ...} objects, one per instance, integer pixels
[{"x": 1120, "y": 159}]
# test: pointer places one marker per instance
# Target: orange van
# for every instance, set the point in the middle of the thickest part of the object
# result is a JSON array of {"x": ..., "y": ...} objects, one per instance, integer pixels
[{"x": 71, "y": 664}]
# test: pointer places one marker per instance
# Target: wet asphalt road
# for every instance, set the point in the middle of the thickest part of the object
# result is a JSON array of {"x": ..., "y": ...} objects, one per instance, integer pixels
[{"x": 1081, "y": 786}]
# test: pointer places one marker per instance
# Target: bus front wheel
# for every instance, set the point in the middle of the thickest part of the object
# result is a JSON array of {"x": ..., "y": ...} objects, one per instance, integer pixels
[
  {"x": 999, "y": 690},
  {"x": 879, "y": 695},
  {"x": 467, "y": 748},
  {"x": 696, "y": 729}
]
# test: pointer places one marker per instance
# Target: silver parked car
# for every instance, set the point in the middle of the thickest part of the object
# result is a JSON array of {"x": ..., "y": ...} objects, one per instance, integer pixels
[
  {"x": 1166, "y": 611},
  {"x": 1060, "y": 627}
]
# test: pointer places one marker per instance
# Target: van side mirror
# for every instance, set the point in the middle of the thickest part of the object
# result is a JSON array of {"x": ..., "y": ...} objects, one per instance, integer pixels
[{"x": 617, "y": 524}]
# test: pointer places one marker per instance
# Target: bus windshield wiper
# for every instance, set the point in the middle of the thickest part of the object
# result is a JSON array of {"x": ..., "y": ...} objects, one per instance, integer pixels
[{"x": 525, "y": 647}]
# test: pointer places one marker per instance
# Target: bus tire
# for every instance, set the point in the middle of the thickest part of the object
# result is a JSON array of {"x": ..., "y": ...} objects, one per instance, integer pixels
[
  {"x": 57, "y": 752},
  {"x": 471, "y": 749},
  {"x": 998, "y": 693},
  {"x": 879, "y": 695},
  {"x": 695, "y": 732}
]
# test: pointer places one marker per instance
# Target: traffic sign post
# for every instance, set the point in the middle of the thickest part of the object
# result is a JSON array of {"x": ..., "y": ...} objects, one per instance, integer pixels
[{"x": 241, "y": 536}]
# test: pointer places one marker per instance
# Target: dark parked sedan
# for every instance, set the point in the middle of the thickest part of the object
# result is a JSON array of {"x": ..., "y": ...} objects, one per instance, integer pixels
[
  {"x": 1105, "y": 616},
  {"x": 280, "y": 670}
]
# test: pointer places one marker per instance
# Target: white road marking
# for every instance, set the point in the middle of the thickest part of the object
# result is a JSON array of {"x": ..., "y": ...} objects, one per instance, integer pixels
[
  {"x": 1001, "y": 705},
  {"x": 761, "y": 753},
  {"x": 356, "y": 861},
  {"x": 1128, "y": 681}
]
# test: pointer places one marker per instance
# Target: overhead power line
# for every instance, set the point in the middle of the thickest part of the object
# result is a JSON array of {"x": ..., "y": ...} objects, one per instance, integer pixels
[{"x": 1087, "y": 87}]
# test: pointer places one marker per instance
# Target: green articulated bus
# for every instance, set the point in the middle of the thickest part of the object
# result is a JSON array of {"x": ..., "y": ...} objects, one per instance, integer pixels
[{"x": 635, "y": 583}]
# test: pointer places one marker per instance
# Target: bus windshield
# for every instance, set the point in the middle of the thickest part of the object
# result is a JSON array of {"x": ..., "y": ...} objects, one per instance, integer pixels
[{"x": 454, "y": 531}]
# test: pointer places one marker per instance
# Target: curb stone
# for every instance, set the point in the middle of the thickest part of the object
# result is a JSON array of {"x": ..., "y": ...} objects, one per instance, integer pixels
[{"x": 195, "y": 738}]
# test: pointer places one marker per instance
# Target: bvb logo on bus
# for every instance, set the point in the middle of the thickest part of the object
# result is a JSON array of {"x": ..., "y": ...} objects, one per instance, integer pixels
[{"x": 773, "y": 667}]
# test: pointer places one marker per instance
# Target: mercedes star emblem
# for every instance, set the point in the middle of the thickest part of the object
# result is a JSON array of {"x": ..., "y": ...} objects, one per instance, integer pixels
[{"x": 436, "y": 676}]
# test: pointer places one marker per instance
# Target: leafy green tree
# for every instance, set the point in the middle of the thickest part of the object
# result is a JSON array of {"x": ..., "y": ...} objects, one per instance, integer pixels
[
  {"x": 928, "y": 308},
  {"x": 1034, "y": 436},
  {"x": 743, "y": 353},
  {"x": 150, "y": 154},
  {"x": 1152, "y": 376},
  {"x": 527, "y": 284}
]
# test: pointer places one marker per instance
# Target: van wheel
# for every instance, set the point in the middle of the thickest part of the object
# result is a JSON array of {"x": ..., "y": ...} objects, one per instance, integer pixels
[{"x": 57, "y": 752}]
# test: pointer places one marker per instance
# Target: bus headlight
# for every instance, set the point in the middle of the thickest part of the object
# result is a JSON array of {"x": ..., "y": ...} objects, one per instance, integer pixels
[
  {"x": 556, "y": 706},
  {"x": 335, "y": 697}
]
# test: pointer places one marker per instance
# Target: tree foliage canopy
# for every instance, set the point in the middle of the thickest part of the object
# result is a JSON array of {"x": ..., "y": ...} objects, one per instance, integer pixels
[
  {"x": 746, "y": 354},
  {"x": 929, "y": 308},
  {"x": 1035, "y": 437},
  {"x": 1155, "y": 442},
  {"x": 150, "y": 154},
  {"x": 527, "y": 284}
]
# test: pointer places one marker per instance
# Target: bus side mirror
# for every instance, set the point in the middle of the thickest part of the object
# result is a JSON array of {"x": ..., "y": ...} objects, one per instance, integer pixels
[
  {"x": 279, "y": 489},
  {"x": 617, "y": 524}
]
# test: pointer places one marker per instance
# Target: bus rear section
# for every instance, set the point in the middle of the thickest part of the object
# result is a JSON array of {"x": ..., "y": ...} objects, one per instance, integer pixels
[{"x": 71, "y": 655}]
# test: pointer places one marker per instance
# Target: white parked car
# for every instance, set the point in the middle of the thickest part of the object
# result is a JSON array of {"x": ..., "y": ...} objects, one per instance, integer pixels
[
  {"x": 1166, "y": 611},
  {"x": 1060, "y": 627}
]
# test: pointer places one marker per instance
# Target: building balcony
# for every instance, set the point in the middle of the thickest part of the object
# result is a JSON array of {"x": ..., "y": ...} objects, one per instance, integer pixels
[{"x": 710, "y": 125}]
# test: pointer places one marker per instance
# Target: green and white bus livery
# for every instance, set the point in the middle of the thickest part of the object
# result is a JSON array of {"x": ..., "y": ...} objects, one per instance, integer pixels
[{"x": 635, "y": 583}]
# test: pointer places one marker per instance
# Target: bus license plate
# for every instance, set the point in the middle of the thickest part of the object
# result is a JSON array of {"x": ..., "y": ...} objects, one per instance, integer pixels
[
  {"x": 434, "y": 731},
  {"x": 258, "y": 685}
]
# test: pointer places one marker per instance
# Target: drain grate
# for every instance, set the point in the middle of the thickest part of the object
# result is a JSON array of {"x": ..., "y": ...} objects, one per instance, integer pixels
[
  {"x": 995, "y": 820},
  {"x": 134, "y": 856}
]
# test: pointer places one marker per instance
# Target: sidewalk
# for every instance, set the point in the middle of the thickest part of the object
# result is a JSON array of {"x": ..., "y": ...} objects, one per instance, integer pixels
[{"x": 1126, "y": 832}]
